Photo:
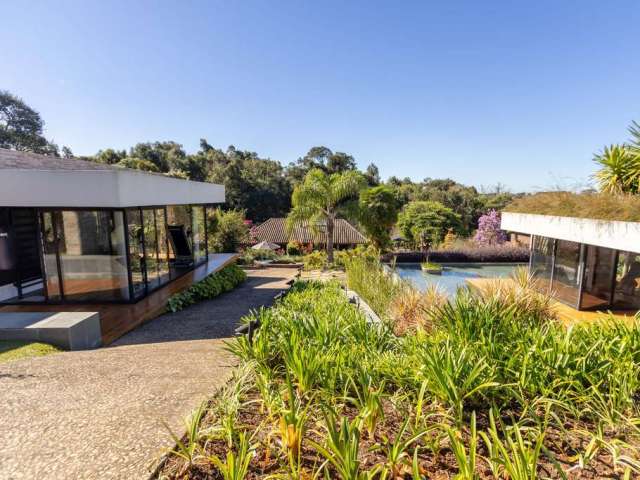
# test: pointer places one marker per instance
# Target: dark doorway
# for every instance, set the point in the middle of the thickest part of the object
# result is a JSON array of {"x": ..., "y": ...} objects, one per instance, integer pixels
[{"x": 20, "y": 262}]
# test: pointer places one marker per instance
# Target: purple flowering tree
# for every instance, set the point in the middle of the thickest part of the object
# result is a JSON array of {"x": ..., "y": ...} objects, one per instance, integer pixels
[{"x": 489, "y": 232}]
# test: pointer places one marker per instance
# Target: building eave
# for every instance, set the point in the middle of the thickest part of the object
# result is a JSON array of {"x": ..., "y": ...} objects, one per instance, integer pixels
[
  {"x": 116, "y": 188},
  {"x": 613, "y": 234}
]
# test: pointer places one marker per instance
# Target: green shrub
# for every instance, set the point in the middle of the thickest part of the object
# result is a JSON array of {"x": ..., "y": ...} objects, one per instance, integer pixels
[
  {"x": 211, "y": 286},
  {"x": 368, "y": 252},
  {"x": 315, "y": 260},
  {"x": 294, "y": 248}
]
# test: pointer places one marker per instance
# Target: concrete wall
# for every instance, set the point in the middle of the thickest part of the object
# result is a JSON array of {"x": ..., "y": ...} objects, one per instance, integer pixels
[{"x": 603, "y": 233}]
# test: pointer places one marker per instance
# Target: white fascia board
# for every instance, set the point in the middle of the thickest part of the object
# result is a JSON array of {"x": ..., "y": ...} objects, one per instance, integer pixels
[
  {"x": 602, "y": 233},
  {"x": 101, "y": 188}
]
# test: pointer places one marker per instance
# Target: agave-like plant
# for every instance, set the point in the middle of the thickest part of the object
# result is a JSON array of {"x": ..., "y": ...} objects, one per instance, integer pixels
[
  {"x": 619, "y": 170},
  {"x": 620, "y": 165}
]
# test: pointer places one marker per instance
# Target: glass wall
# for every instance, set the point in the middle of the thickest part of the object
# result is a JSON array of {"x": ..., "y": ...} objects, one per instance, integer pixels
[
  {"x": 542, "y": 262},
  {"x": 115, "y": 255},
  {"x": 179, "y": 216},
  {"x": 212, "y": 227},
  {"x": 163, "y": 248},
  {"x": 151, "y": 248},
  {"x": 597, "y": 283},
  {"x": 50, "y": 255},
  {"x": 627, "y": 287},
  {"x": 198, "y": 233},
  {"x": 566, "y": 272},
  {"x": 92, "y": 254},
  {"x": 136, "y": 251}
]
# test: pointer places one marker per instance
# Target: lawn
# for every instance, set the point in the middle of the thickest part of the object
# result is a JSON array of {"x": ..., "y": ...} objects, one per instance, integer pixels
[
  {"x": 487, "y": 386},
  {"x": 15, "y": 349}
]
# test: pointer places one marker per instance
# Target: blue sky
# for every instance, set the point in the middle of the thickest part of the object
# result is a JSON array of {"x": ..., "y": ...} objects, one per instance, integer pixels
[{"x": 521, "y": 93}]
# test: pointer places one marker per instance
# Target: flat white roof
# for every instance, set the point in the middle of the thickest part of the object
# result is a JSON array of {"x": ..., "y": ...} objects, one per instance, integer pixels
[
  {"x": 29, "y": 180},
  {"x": 617, "y": 235}
]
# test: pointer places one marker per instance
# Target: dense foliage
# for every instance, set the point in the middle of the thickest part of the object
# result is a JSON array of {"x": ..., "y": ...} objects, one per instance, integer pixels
[
  {"x": 230, "y": 231},
  {"x": 21, "y": 127},
  {"x": 379, "y": 209},
  {"x": 424, "y": 223},
  {"x": 211, "y": 286},
  {"x": 488, "y": 389}
]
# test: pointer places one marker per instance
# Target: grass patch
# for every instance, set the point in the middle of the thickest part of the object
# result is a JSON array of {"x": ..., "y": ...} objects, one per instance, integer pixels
[
  {"x": 599, "y": 206},
  {"x": 14, "y": 349}
]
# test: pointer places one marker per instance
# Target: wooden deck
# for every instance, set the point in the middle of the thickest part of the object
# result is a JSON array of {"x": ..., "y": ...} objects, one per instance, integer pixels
[
  {"x": 118, "y": 319},
  {"x": 566, "y": 314}
]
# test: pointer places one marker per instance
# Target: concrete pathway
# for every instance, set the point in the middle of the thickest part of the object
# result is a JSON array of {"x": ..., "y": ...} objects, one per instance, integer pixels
[{"x": 98, "y": 414}]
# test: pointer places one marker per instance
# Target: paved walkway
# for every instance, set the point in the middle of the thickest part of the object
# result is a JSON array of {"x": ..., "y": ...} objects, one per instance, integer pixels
[{"x": 98, "y": 414}]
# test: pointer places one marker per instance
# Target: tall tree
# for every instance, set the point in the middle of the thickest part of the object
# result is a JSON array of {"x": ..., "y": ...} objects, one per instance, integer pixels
[
  {"x": 378, "y": 212},
  {"x": 255, "y": 185},
  {"x": 426, "y": 222},
  {"x": 21, "y": 127},
  {"x": 321, "y": 198},
  {"x": 322, "y": 158},
  {"x": 372, "y": 174}
]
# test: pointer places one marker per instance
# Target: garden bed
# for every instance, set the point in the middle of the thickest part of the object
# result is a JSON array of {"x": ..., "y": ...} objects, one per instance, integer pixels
[{"x": 486, "y": 391}]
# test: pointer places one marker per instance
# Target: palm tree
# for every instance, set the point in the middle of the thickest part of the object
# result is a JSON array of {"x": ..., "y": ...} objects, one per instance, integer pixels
[
  {"x": 320, "y": 198},
  {"x": 620, "y": 165}
]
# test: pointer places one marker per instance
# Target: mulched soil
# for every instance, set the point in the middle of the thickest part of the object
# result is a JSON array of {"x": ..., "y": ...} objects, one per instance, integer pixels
[{"x": 436, "y": 460}]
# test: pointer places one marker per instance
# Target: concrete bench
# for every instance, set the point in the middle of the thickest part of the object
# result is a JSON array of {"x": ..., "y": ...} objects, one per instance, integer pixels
[{"x": 67, "y": 330}]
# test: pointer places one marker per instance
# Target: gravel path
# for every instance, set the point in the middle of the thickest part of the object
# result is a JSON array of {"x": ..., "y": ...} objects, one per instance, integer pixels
[{"x": 98, "y": 414}]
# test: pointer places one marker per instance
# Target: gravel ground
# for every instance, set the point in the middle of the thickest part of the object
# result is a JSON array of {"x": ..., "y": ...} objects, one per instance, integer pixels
[{"x": 99, "y": 414}]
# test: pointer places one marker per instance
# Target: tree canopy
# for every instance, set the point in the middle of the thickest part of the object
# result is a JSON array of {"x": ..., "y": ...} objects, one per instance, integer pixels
[
  {"x": 378, "y": 214},
  {"x": 425, "y": 223},
  {"x": 21, "y": 127}
]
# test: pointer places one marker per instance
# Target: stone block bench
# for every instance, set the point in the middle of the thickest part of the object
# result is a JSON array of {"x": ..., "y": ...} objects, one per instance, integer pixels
[{"x": 67, "y": 330}]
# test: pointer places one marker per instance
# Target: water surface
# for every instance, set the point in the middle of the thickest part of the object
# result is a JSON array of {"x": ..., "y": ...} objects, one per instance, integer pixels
[{"x": 454, "y": 275}]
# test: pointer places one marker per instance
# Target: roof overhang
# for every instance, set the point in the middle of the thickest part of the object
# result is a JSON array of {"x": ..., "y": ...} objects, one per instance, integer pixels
[
  {"x": 101, "y": 188},
  {"x": 602, "y": 233}
]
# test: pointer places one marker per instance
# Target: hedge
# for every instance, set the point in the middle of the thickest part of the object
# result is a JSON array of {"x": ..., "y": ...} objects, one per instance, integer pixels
[
  {"x": 209, "y": 287},
  {"x": 502, "y": 253}
]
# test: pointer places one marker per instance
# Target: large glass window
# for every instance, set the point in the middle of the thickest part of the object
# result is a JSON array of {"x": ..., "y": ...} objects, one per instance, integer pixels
[
  {"x": 151, "y": 247},
  {"x": 542, "y": 262},
  {"x": 212, "y": 227},
  {"x": 179, "y": 220},
  {"x": 163, "y": 248},
  {"x": 598, "y": 277},
  {"x": 627, "y": 291},
  {"x": 92, "y": 254},
  {"x": 198, "y": 233},
  {"x": 136, "y": 251},
  {"x": 566, "y": 272},
  {"x": 50, "y": 226}
]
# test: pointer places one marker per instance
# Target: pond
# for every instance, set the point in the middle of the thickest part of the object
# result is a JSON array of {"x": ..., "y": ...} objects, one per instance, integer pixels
[{"x": 454, "y": 275}]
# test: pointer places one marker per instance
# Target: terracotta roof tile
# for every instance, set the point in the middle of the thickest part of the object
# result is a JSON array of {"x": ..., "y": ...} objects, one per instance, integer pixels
[{"x": 273, "y": 230}]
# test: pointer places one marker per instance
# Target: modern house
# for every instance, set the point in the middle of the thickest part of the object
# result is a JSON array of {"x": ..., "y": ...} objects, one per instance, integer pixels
[
  {"x": 274, "y": 230},
  {"x": 75, "y": 235},
  {"x": 586, "y": 263}
]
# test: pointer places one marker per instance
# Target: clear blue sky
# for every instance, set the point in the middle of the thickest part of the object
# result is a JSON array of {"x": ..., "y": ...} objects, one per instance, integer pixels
[{"x": 515, "y": 92}]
